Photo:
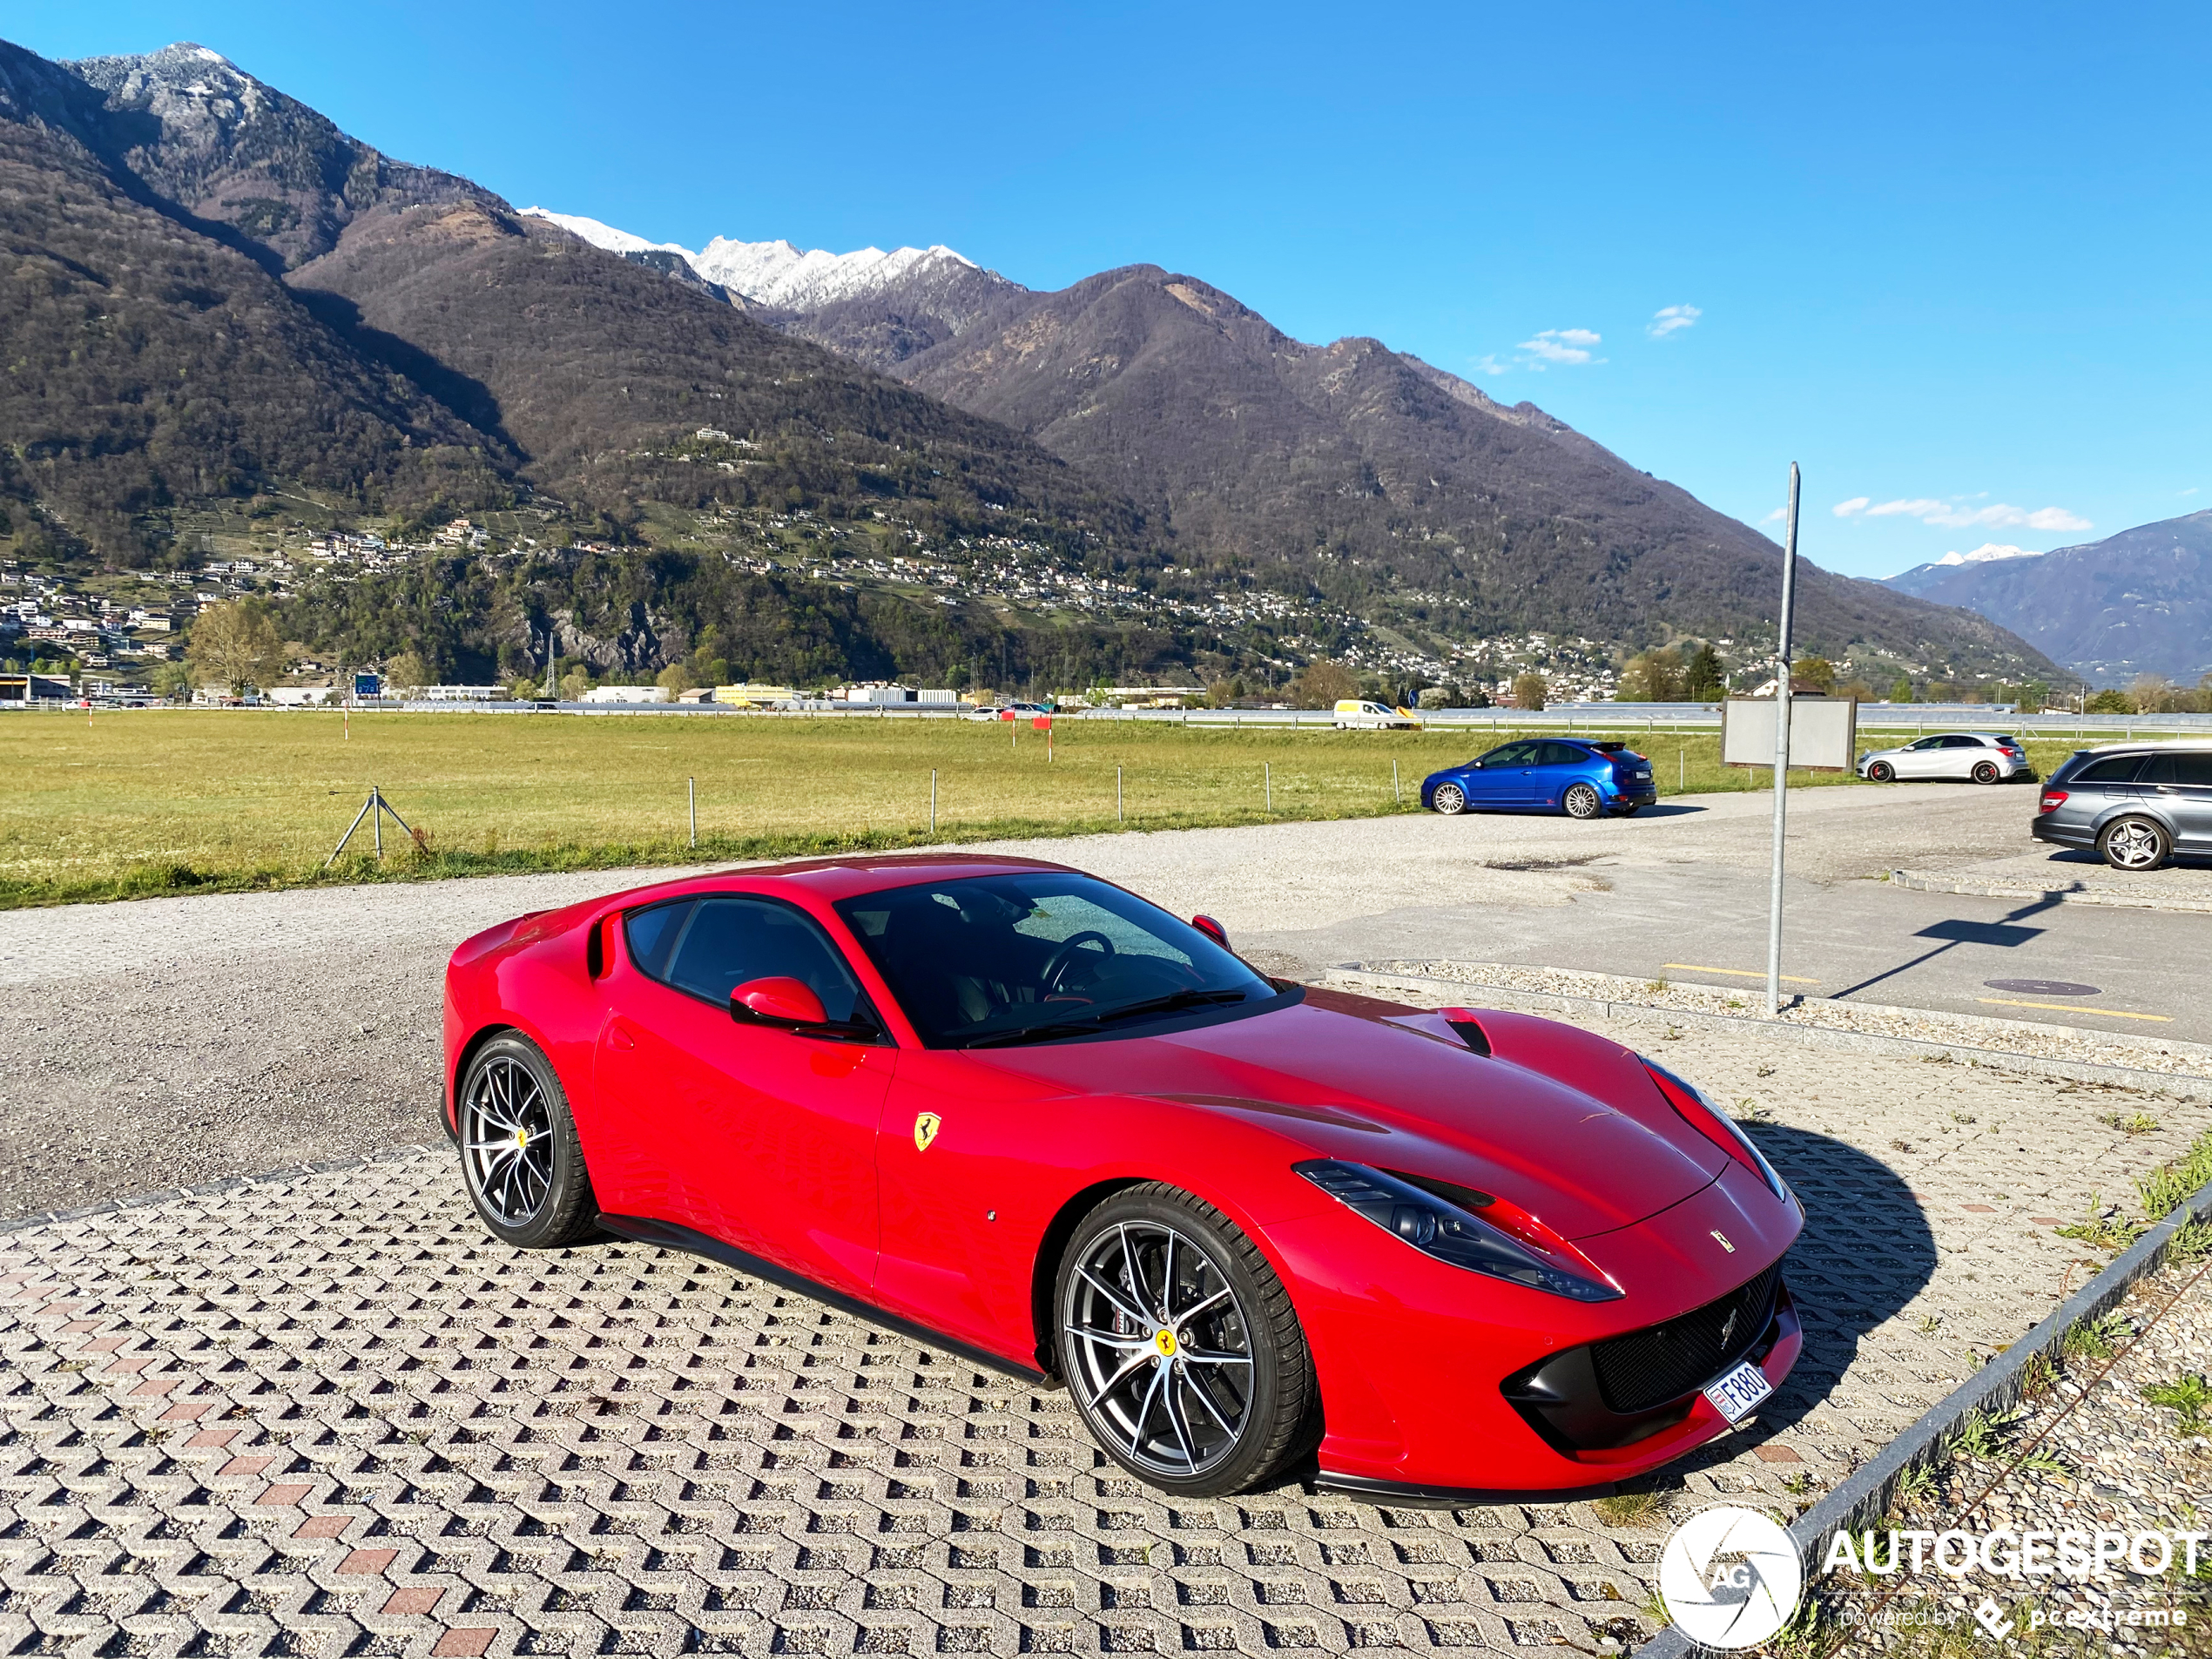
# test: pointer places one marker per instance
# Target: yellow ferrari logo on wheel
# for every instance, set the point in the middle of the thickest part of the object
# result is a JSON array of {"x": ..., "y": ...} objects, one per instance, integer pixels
[{"x": 926, "y": 1127}]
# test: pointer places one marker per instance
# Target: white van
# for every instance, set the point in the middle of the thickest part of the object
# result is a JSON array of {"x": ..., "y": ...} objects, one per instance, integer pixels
[{"x": 1359, "y": 712}]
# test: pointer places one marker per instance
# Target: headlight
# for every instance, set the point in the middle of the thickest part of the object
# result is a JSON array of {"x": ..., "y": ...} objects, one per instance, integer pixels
[
  {"x": 1696, "y": 1109},
  {"x": 1445, "y": 1230}
]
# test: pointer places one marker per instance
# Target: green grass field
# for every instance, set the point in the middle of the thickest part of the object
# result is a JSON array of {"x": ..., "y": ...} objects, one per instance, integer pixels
[{"x": 128, "y": 805}]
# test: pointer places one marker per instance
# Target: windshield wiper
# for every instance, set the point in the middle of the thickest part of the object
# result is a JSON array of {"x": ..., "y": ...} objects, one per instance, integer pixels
[{"x": 1046, "y": 1032}]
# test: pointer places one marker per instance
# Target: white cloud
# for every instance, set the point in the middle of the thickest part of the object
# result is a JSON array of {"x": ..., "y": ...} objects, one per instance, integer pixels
[
  {"x": 1488, "y": 364},
  {"x": 1952, "y": 516},
  {"x": 1777, "y": 516},
  {"x": 1568, "y": 345},
  {"x": 2191, "y": 490},
  {"x": 1671, "y": 320}
]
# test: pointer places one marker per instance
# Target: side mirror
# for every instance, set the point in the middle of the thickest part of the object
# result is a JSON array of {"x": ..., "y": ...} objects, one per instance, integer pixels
[
  {"x": 1212, "y": 930},
  {"x": 777, "y": 1001}
]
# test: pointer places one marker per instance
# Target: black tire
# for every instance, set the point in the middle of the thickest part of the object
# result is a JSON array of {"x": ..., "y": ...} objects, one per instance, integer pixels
[
  {"x": 1582, "y": 801},
  {"x": 536, "y": 1196},
  {"x": 2134, "y": 844},
  {"x": 1449, "y": 800},
  {"x": 1269, "y": 1393},
  {"x": 1985, "y": 772},
  {"x": 1881, "y": 773}
]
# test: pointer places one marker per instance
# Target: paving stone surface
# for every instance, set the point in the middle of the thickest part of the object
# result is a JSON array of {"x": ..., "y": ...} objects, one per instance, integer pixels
[{"x": 324, "y": 1413}]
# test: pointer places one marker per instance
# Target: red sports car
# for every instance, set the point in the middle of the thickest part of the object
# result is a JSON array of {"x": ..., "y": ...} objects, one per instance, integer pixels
[{"x": 1025, "y": 1115}]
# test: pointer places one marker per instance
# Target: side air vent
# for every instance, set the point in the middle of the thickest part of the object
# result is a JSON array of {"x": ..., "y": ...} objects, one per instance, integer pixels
[{"x": 1463, "y": 1021}]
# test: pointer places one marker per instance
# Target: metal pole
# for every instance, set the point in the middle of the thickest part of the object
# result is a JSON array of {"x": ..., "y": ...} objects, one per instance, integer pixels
[
  {"x": 376, "y": 820},
  {"x": 552, "y": 664},
  {"x": 1267, "y": 778},
  {"x": 933, "y": 800},
  {"x": 691, "y": 798},
  {"x": 1781, "y": 750},
  {"x": 1120, "y": 817},
  {"x": 1396, "y": 794}
]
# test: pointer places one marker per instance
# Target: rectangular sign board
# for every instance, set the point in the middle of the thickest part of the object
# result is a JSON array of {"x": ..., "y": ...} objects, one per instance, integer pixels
[{"x": 1824, "y": 732}]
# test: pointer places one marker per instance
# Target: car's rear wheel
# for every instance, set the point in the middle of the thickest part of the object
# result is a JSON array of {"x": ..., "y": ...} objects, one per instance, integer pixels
[
  {"x": 1180, "y": 1345},
  {"x": 519, "y": 1153},
  {"x": 1449, "y": 800},
  {"x": 2134, "y": 844},
  {"x": 1986, "y": 771},
  {"x": 1881, "y": 773},
  {"x": 1582, "y": 801}
]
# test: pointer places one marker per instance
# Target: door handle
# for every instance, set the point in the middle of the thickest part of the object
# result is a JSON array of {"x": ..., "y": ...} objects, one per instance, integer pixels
[{"x": 619, "y": 1038}]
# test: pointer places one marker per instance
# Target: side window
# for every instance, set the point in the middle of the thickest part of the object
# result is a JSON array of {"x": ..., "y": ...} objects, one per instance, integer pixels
[
  {"x": 1514, "y": 754},
  {"x": 2112, "y": 769},
  {"x": 1962, "y": 743},
  {"x": 1564, "y": 755},
  {"x": 1926, "y": 744},
  {"x": 2195, "y": 769},
  {"x": 653, "y": 935},
  {"x": 723, "y": 942}
]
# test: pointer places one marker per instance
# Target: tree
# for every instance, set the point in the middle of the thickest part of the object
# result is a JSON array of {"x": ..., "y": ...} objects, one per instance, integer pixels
[
  {"x": 575, "y": 683},
  {"x": 2154, "y": 694},
  {"x": 1529, "y": 691},
  {"x": 2110, "y": 702},
  {"x": 173, "y": 681},
  {"x": 676, "y": 678},
  {"x": 237, "y": 646},
  {"x": 1703, "y": 677},
  {"x": 1815, "y": 674},
  {"x": 1322, "y": 685},
  {"x": 1219, "y": 695},
  {"x": 1902, "y": 691},
  {"x": 1653, "y": 677},
  {"x": 407, "y": 671}
]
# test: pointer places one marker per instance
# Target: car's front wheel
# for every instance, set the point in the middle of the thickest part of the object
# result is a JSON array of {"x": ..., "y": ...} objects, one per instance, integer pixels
[
  {"x": 1986, "y": 771},
  {"x": 1582, "y": 801},
  {"x": 2134, "y": 844},
  {"x": 1881, "y": 773},
  {"x": 519, "y": 1154},
  {"x": 1449, "y": 800},
  {"x": 1180, "y": 1345}
]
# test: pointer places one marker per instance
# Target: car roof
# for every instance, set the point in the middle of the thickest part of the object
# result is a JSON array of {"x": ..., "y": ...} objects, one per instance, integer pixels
[
  {"x": 843, "y": 876},
  {"x": 2146, "y": 746}
]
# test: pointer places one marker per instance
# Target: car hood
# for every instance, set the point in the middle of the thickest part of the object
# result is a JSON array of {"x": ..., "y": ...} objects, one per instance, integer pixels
[{"x": 1573, "y": 1130}]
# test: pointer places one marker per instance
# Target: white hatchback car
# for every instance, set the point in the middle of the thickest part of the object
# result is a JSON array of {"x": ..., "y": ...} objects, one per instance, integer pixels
[
  {"x": 1982, "y": 756},
  {"x": 1361, "y": 711}
]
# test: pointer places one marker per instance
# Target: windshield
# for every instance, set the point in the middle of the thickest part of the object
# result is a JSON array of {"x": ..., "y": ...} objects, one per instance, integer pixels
[{"x": 1006, "y": 958}]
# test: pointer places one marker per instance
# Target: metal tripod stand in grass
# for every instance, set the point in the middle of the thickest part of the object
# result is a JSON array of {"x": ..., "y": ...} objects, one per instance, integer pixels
[{"x": 374, "y": 809}]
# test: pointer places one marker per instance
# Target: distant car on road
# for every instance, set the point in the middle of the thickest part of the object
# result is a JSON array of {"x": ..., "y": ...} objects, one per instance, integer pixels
[
  {"x": 1982, "y": 756},
  {"x": 2137, "y": 805},
  {"x": 1358, "y": 712},
  {"x": 1570, "y": 775}
]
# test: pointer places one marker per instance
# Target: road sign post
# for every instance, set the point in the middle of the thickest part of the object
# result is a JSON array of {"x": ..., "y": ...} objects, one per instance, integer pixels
[{"x": 1781, "y": 749}]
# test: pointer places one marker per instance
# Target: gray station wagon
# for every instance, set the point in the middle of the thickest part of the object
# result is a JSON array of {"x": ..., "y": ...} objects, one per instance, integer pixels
[{"x": 2138, "y": 805}]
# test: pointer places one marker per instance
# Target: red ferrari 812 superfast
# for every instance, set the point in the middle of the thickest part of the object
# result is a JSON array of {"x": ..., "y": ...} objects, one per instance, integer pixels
[{"x": 1256, "y": 1228}]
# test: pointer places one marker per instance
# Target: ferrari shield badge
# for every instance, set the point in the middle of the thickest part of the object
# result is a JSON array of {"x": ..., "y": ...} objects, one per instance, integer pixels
[{"x": 926, "y": 1125}]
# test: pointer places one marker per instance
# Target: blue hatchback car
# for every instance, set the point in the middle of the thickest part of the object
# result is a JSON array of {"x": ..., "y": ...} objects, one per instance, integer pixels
[{"x": 1570, "y": 775}]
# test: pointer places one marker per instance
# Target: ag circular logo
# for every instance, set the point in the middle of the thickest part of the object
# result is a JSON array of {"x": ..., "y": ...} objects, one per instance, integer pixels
[{"x": 1729, "y": 1577}]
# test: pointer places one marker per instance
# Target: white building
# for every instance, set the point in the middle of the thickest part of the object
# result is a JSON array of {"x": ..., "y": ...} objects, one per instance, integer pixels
[{"x": 625, "y": 694}]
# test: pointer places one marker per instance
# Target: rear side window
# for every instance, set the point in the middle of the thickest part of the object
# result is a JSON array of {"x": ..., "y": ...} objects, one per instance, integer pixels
[
  {"x": 2109, "y": 769},
  {"x": 725, "y": 941},
  {"x": 2192, "y": 769},
  {"x": 652, "y": 934},
  {"x": 1564, "y": 755}
]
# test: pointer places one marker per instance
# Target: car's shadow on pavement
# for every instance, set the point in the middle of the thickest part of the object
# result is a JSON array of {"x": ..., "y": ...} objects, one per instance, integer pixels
[{"x": 1865, "y": 1252}]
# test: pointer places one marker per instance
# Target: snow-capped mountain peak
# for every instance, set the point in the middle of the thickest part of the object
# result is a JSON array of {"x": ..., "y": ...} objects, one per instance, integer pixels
[
  {"x": 774, "y": 274},
  {"x": 1988, "y": 552}
]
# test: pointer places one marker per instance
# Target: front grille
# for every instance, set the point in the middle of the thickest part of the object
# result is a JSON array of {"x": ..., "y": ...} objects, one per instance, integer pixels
[{"x": 1663, "y": 1362}]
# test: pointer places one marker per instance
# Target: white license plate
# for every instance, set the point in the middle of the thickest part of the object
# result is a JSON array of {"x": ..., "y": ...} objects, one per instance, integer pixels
[{"x": 1738, "y": 1394}]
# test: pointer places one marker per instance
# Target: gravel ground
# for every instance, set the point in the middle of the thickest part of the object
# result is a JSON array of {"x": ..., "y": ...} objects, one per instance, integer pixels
[
  {"x": 2010, "y": 1036},
  {"x": 2082, "y": 877},
  {"x": 2091, "y": 1453},
  {"x": 174, "y": 1041}
]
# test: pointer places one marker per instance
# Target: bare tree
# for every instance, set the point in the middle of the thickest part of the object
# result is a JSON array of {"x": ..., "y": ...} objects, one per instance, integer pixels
[
  {"x": 1323, "y": 685},
  {"x": 237, "y": 645}
]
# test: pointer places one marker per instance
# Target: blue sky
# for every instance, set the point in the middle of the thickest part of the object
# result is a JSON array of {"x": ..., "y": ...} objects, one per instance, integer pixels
[{"x": 1953, "y": 259}]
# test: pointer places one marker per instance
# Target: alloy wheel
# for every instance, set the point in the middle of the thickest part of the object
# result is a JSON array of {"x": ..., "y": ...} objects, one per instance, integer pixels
[
  {"x": 507, "y": 1141},
  {"x": 2132, "y": 844},
  {"x": 1881, "y": 772},
  {"x": 1157, "y": 1345},
  {"x": 1582, "y": 802},
  {"x": 1985, "y": 772},
  {"x": 1449, "y": 798}
]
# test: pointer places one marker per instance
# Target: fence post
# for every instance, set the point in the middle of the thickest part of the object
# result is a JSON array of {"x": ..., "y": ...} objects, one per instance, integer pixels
[
  {"x": 1397, "y": 795},
  {"x": 1120, "y": 817},
  {"x": 933, "y": 800},
  {"x": 1267, "y": 778},
  {"x": 691, "y": 798}
]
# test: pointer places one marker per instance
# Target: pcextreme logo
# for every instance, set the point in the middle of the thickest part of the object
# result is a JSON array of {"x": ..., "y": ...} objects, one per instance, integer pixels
[{"x": 1729, "y": 1577}]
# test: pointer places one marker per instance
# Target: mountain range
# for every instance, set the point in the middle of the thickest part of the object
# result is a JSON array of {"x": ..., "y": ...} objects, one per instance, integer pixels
[
  {"x": 2137, "y": 603},
  {"x": 221, "y": 298}
]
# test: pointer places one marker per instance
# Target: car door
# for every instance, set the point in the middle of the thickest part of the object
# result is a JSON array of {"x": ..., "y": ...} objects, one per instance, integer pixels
[
  {"x": 2181, "y": 784},
  {"x": 1557, "y": 766},
  {"x": 1961, "y": 755},
  {"x": 769, "y": 1132},
  {"x": 1503, "y": 778},
  {"x": 1923, "y": 758}
]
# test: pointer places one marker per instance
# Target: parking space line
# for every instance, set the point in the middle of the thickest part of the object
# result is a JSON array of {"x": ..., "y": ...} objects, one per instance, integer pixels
[
  {"x": 2075, "y": 1007},
  {"x": 1737, "y": 973}
]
